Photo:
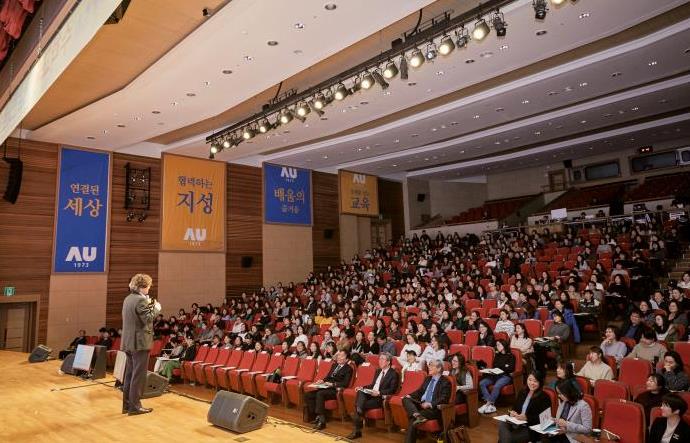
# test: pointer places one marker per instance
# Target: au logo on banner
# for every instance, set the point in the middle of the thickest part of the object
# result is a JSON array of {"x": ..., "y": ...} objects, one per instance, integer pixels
[
  {"x": 193, "y": 204},
  {"x": 287, "y": 195},
  {"x": 82, "y": 211},
  {"x": 358, "y": 194}
]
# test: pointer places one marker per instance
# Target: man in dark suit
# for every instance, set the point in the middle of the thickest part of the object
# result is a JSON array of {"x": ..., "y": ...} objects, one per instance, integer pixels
[
  {"x": 138, "y": 312},
  {"x": 422, "y": 404},
  {"x": 386, "y": 382},
  {"x": 338, "y": 377}
]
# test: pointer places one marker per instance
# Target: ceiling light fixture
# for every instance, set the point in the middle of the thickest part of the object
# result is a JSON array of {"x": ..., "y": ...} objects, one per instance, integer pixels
[
  {"x": 462, "y": 37},
  {"x": 264, "y": 126},
  {"x": 416, "y": 59},
  {"x": 431, "y": 51},
  {"x": 499, "y": 24},
  {"x": 340, "y": 92},
  {"x": 446, "y": 46},
  {"x": 390, "y": 70},
  {"x": 540, "y": 9},
  {"x": 286, "y": 116},
  {"x": 330, "y": 6},
  {"x": 367, "y": 81},
  {"x": 481, "y": 30},
  {"x": 248, "y": 133},
  {"x": 303, "y": 109}
]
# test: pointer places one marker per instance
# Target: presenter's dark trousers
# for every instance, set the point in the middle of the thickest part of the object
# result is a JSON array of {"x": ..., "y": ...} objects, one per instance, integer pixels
[
  {"x": 316, "y": 400},
  {"x": 135, "y": 377},
  {"x": 412, "y": 407}
]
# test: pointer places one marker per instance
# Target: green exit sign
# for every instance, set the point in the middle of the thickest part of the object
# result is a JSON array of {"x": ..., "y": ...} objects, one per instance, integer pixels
[{"x": 9, "y": 290}]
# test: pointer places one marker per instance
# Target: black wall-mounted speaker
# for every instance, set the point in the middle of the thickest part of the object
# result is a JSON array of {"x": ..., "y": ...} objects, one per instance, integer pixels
[
  {"x": 328, "y": 234},
  {"x": 14, "y": 180},
  {"x": 567, "y": 164},
  {"x": 246, "y": 261},
  {"x": 421, "y": 197}
]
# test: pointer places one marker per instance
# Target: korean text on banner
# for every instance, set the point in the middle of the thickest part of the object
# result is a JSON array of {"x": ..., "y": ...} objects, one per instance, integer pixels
[
  {"x": 193, "y": 204},
  {"x": 287, "y": 195},
  {"x": 358, "y": 194},
  {"x": 82, "y": 211}
]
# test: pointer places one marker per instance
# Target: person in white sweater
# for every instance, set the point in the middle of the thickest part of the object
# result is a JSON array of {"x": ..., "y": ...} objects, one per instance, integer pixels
[
  {"x": 595, "y": 368},
  {"x": 433, "y": 352},
  {"x": 411, "y": 345},
  {"x": 504, "y": 324},
  {"x": 612, "y": 346}
]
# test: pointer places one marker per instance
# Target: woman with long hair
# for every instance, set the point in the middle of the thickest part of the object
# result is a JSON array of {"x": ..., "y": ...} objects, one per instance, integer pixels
[
  {"x": 505, "y": 361},
  {"x": 463, "y": 377},
  {"x": 529, "y": 403}
]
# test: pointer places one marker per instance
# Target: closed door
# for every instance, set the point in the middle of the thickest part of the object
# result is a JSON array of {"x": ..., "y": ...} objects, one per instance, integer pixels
[
  {"x": 15, "y": 323},
  {"x": 557, "y": 180}
]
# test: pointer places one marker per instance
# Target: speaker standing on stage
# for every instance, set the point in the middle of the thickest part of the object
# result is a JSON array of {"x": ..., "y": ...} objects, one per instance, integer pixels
[{"x": 138, "y": 312}]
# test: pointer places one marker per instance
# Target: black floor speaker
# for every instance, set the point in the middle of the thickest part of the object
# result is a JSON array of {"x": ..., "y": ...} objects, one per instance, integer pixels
[
  {"x": 67, "y": 363},
  {"x": 155, "y": 385},
  {"x": 39, "y": 354},
  {"x": 236, "y": 412}
]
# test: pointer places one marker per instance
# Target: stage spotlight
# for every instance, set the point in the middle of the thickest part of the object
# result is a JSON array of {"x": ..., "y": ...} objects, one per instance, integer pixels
[
  {"x": 481, "y": 30},
  {"x": 403, "y": 68},
  {"x": 417, "y": 59},
  {"x": 390, "y": 70},
  {"x": 264, "y": 126},
  {"x": 214, "y": 149},
  {"x": 313, "y": 107},
  {"x": 247, "y": 133},
  {"x": 367, "y": 81},
  {"x": 462, "y": 38},
  {"x": 319, "y": 101},
  {"x": 303, "y": 109},
  {"x": 380, "y": 80},
  {"x": 340, "y": 92},
  {"x": 560, "y": 2},
  {"x": 500, "y": 24},
  {"x": 540, "y": 9},
  {"x": 226, "y": 143},
  {"x": 286, "y": 116},
  {"x": 446, "y": 46},
  {"x": 431, "y": 51}
]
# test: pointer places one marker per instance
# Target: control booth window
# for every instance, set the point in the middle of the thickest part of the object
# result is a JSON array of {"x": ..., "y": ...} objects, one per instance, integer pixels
[
  {"x": 655, "y": 161},
  {"x": 602, "y": 171}
]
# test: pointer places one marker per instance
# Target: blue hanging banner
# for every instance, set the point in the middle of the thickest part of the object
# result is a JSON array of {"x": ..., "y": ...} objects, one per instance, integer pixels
[
  {"x": 81, "y": 226},
  {"x": 287, "y": 195}
]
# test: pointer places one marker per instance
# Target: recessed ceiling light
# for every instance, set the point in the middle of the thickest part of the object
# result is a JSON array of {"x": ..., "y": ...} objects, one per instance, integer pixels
[
  {"x": 453, "y": 123},
  {"x": 155, "y": 112},
  {"x": 537, "y": 133},
  {"x": 428, "y": 90},
  {"x": 653, "y": 63},
  {"x": 330, "y": 6},
  {"x": 207, "y": 83},
  {"x": 525, "y": 102},
  {"x": 248, "y": 58},
  {"x": 375, "y": 145},
  {"x": 396, "y": 141},
  {"x": 324, "y": 118},
  {"x": 190, "y": 94},
  {"x": 414, "y": 135},
  {"x": 497, "y": 142},
  {"x": 486, "y": 54},
  {"x": 344, "y": 111},
  {"x": 663, "y": 101},
  {"x": 394, "y": 165},
  {"x": 360, "y": 149},
  {"x": 105, "y": 131},
  {"x": 121, "y": 125},
  {"x": 584, "y": 15},
  {"x": 272, "y": 43},
  {"x": 568, "y": 89},
  {"x": 583, "y": 84},
  {"x": 541, "y": 32},
  {"x": 552, "y": 93},
  {"x": 174, "y": 103},
  {"x": 616, "y": 74},
  {"x": 687, "y": 51},
  {"x": 299, "y": 25},
  {"x": 462, "y": 152},
  {"x": 439, "y": 73},
  {"x": 500, "y": 109},
  {"x": 434, "y": 129},
  {"x": 426, "y": 159},
  {"x": 297, "y": 52},
  {"x": 137, "y": 118},
  {"x": 476, "y": 116},
  {"x": 227, "y": 71},
  {"x": 469, "y": 61},
  {"x": 636, "y": 108},
  {"x": 583, "y": 121},
  {"x": 363, "y": 103},
  {"x": 90, "y": 137},
  {"x": 503, "y": 48},
  {"x": 412, "y": 84}
]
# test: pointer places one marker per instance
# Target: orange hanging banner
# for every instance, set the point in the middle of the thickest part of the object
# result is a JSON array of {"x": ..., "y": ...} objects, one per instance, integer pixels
[
  {"x": 359, "y": 194},
  {"x": 193, "y": 204}
]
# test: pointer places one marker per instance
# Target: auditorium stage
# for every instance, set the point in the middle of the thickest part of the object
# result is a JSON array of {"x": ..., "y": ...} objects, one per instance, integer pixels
[{"x": 40, "y": 405}]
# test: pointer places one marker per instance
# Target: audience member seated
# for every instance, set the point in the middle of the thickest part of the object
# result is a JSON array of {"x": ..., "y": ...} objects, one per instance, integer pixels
[
  {"x": 486, "y": 335},
  {"x": 523, "y": 343},
  {"x": 338, "y": 377},
  {"x": 651, "y": 397},
  {"x": 634, "y": 327},
  {"x": 665, "y": 331},
  {"x": 565, "y": 371},
  {"x": 595, "y": 368},
  {"x": 104, "y": 338},
  {"x": 78, "y": 340},
  {"x": 557, "y": 334},
  {"x": 673, "y": 373},
  {"x": 530, "y": 402},
  {"x": 386, "y": 382},
  {"x": 410, "y": 345},
  {"x": 463, "y": 377},
  {"x": 412, "y": 363},
  {"x": 670, "y": 427},
  {"x": 433, "y": 352},
  {"x": 648, "y": 348},
  {"x": 574, "y": 416},
  {"x": 187, "y": 354},
  {"x": 423, "y": 404},
  {"x": 505, "y": 361},
  {"x": 611, "y": 346}
]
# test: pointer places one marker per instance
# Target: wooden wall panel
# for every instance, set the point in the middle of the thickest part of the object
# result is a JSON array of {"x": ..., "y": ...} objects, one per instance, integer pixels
[
  {"x": 326, "y": 216},
  {"x": 26, "y": 228},
  {"x": 391, "y": 205},
  {"x": 244, "y": 229},
  {"x": 133, "y": 245}
]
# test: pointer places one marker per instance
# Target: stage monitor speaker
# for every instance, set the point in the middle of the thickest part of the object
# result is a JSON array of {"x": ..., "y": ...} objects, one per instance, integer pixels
[
  {"x": 421, "y": 197},
  {"x": 14, "y": 179},
  {"x": 98, "y": 362},
  {"x": 237, "y": 412},
  {"x": 155, "y": 385},
  {"x": 567, "y": 164},
  {"x": 246, "y": 261},
  {"x": 39, "y": 354},
  {"x": 67, "y": 363},
  {"x": 328, "y": 234}
]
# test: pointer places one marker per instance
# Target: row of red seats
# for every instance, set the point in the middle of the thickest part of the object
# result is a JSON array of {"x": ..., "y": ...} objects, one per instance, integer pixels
[
  {"x": 577, "y": 198},
  {"x": 660, "y": 186}
]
